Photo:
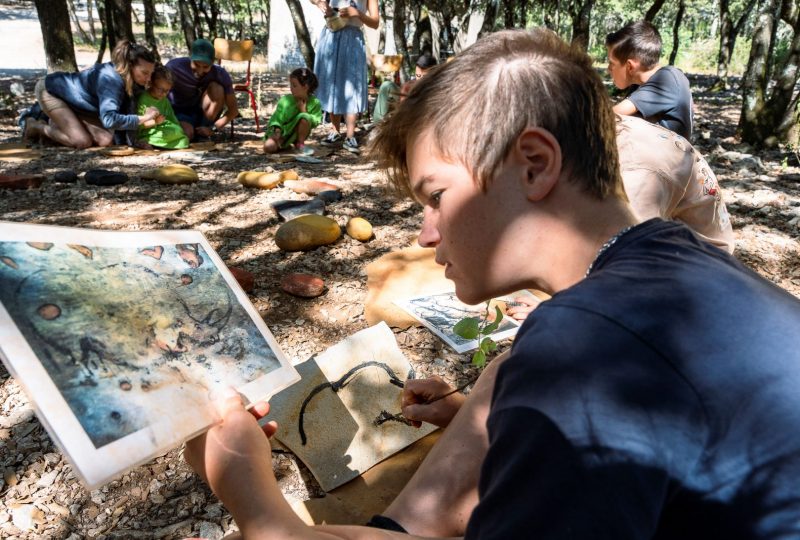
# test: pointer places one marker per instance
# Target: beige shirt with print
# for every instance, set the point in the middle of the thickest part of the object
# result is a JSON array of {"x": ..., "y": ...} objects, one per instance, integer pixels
[{"x": 666, "y": 177}]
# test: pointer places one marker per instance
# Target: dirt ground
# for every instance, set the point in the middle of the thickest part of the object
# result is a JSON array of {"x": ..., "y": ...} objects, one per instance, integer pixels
[{"x": 163, "y": 499}]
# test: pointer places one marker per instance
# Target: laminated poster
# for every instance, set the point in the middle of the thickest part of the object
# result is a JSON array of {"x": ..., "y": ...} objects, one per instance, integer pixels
[
  {"x": 440, "y": 312},
  {"x": 121, "y": 338}
]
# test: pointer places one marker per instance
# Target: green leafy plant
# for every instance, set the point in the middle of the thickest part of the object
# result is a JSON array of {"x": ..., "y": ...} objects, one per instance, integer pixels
[{"x": 480, "y": 328}]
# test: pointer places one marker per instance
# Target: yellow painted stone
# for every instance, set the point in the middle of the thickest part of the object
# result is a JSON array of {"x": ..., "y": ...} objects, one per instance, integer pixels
[
  {"x": 359, "y": 228},
  {"x": 307, "y": 232},
  {"x": 174, "y": 173},
  {"x": 265, "y": 180}
]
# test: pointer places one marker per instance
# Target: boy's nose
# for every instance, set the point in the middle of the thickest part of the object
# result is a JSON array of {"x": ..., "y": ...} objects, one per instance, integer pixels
[{"x": 429, "y": 234}]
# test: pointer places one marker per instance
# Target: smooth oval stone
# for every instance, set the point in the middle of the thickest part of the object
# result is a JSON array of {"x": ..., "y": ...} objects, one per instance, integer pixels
[
  {"x": 103, "y": 177},
  {"x": 359, "y": 228},
  {"x": 303, "y": 285},
  {"x": 246, "y": 280},
  {"x": 20, "y": 181},
  {"x": 307, "y": 232},
  {"x": 309, "y": 187},
  {"x": 65, "y": 177},
  {"x": 174, "y": 173},
  {"x": 265, "y": 180}
]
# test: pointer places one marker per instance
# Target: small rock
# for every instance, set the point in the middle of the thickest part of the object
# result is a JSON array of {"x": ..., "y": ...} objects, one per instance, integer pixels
[
  {"x": 20, "y": 181},
  {"x": 289, "y": 210},
  {"x": 10, "y": 477},
  {"x": 174, "y": 173},
  {"x": 210, "y": 531},
  {"x": 65, "y": 177},
  {"x": 103, "y": 177},
  {"x": 26, "y": 516},
  {"x": 265, "y": 180},
  {"x": 303, "y": 285},
  {"x": 307, "y": 232},
  {"x": 246, "y": 280},
  {"x": 17, "y": 89},
  {"x": 359, "y": 229},
  {"x": 309, "y": 187},
  {"x": 47, "y": 479}
]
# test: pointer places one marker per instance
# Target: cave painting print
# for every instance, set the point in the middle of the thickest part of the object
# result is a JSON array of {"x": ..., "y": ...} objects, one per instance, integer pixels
[
  {"x": 130, "y": 334},
  {"x": 440, "y": 313}
]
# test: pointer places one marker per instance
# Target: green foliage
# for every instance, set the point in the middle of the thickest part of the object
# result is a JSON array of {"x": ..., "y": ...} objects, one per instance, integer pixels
[{"x": 480, "y": 328}]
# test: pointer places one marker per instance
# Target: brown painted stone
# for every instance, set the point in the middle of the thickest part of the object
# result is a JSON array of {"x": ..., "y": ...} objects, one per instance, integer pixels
[
  {"x": 245, "y": 279},
  {"x": 20, "y": 181},
  {"x": 303, "y": 285},
  {"x": 309, "y": 187}
]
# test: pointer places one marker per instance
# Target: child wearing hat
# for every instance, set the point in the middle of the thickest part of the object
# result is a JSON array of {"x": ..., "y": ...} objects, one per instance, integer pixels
[{"x": 201, "y": 92}]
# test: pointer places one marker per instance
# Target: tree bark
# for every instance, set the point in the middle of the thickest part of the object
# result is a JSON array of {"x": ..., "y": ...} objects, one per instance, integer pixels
[
  {"x": 728, "y": 33},
  {"x": 492, "y": 7},
  {"x": 676, "y": 30},
  {"x": 56, "y": 35},
  {"x": 118, "y": 22},
  {"x": 149, "y": 27},
  {"x": 581, "y": 13},
  {"x": 301, "y": 29},
  {"x": 508, "y": 14},
  {"x": 90, "y": 19},
  {"x": 101, "y": 13},
  {"x": 653, "y": 11},
  {"x": 382, "y": 29},
  {"x": 186, "y": 23},
  {"x": 77, "y": 23},
  {"x": 399, "y": 33}
]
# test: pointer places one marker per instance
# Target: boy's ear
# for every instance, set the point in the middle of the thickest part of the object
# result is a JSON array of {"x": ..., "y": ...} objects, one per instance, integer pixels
[
  {"x": 631, "y": 66},
  {"x": 540, "y": 158}
]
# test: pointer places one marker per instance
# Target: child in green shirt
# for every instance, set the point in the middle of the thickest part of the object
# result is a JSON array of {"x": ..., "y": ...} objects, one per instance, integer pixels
[
  {"x": 165, "y": 131},
  {"x": 295, "y": 115}
]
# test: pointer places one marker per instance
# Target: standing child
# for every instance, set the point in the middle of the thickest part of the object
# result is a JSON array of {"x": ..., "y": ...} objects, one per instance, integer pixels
[
  {"x": 165, "y": 131},
  {"x": 295, "y": 115}
]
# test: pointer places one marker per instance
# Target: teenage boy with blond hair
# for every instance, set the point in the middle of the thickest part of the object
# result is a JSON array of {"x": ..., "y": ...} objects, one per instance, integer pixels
[
  {"x": 654, "y": 396},
  {"x": 662, "y": 94}
]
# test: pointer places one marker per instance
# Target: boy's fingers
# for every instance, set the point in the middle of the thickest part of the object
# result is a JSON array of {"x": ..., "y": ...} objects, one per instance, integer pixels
[
  {"x": 270, "y": 428},
  {"x": 260, "y": 409}
]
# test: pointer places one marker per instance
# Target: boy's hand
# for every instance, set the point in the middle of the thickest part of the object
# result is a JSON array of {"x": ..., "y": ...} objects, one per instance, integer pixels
[
  {"x": 226, "y": 454},
  {"x": 417, "y": 394},
  {"x": 526, "y": 304}
]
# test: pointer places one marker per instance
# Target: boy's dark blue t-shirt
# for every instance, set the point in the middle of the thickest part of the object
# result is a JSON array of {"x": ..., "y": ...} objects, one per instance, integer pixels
[
  {"x": 666, "y": 99},
  {"x": 658, "y": 398}
]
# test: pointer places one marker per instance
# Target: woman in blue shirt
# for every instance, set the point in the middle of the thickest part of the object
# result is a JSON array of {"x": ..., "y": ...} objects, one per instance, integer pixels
[{"x": 87, "y": 107}]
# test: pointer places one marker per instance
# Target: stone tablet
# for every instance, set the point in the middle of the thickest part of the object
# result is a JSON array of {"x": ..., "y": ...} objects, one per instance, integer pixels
[{"x": 343, "y": 416}]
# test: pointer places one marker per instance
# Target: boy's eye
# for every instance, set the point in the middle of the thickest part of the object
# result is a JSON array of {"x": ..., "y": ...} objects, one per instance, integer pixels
[{"x": 434, "y": 198}]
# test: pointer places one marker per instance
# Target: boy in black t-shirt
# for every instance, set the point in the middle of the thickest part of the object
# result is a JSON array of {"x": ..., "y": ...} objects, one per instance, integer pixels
[{"x": 662, "y": 95}]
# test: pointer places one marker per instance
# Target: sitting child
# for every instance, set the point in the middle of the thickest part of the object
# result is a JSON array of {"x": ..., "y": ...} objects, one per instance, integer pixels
[
  {"x": 663, "y": 96},
  {"x": 165, "y": 131},
  {"x": 389, "y": 93},
  {"x": 295, "y": 115}
]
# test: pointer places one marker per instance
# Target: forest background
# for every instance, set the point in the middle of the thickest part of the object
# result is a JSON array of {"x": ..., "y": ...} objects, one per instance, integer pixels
[{"x": 757, "y": 39}]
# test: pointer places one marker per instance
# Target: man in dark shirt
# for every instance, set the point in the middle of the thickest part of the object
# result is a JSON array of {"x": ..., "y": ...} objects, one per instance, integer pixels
[
  {"x": 201, "y": 91},
  {"x": 662, "y": 94},
  {"x": 654, "y": 396}
]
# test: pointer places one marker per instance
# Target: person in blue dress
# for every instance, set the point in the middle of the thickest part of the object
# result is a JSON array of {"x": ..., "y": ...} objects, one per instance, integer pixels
[{"x": 341, "y": 64}]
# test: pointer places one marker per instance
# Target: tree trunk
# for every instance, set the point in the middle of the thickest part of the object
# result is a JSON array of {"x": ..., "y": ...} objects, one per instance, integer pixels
[
  {"x": 186, "y": 23},
  {"x": 301, "y": 30},
  {"x": 77, "y": 23},
  {"x": 675, "y": 31},
  {"x": 56, "y": 35},
  {"x": 508, "y": 14},
  {"x": 581, "y": 21},
  {"x": 90, "y": 19},
  {"x": 196, "y": 22},
  {"x": 653, "y": 11},
  {"x": 753, "y": 122},
  {"x": 101, "y": 14},
  {"x": 119, "y": 25},
  {"x": 382, "y": 29},
  {"x": 149, "y": 27},
  {"x": 399, "y": 33},
  {"x": 492, "y": 7},
  {"x": 728, "y": 33}
]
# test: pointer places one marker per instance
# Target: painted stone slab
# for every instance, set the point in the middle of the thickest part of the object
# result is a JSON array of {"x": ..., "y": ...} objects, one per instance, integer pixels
[{"x": 343, "y": 416}]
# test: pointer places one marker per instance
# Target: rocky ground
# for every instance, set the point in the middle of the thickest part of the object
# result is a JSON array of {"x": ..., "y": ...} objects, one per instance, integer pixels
[{"x": 41, "y": 497}]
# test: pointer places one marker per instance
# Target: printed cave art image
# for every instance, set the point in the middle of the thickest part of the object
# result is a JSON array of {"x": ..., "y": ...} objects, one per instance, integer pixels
[{"x": 130, "y": 335}]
